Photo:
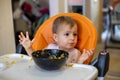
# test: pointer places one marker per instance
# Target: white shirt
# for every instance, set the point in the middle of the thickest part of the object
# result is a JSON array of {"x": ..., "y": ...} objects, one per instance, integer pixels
[{"x": 73, "y": 53}]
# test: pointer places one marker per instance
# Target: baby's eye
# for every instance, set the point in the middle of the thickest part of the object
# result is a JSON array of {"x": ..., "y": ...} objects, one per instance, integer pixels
[
  {"x": 67, "y": 34},
  {"x": 75, "y": 34}
]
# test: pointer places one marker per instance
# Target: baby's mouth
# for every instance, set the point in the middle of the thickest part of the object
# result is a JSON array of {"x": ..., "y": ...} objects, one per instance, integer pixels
[{"x": 71, "y": 43}]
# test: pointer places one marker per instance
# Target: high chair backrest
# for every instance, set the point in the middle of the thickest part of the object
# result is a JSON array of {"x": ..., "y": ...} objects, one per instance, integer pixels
[{"x": 87, "y": 35}]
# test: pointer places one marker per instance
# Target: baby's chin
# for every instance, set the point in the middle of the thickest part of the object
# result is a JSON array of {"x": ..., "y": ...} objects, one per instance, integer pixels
[
  {"x": 70, "y": 48},
  {"x": 67, "y": 48}
]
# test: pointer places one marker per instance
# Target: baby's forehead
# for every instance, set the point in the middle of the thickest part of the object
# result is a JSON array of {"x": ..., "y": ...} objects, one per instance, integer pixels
[
  {"x": 67, "y": 27},
  {"x": 67, "y": 24}
]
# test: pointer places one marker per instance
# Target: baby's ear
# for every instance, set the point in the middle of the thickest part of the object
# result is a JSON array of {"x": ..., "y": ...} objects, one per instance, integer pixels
[{"x": 55, "y": 36}]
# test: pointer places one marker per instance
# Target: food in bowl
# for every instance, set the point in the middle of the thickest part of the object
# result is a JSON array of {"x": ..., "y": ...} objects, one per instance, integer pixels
[{"x": 50, "y": 59}]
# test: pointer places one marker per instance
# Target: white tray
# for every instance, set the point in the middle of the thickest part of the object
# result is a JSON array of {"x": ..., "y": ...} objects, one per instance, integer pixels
[{"x": 22, "y": 67}]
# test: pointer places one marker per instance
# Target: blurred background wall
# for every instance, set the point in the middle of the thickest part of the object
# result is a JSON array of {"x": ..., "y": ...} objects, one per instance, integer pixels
[{"x": 7, "y": 39}]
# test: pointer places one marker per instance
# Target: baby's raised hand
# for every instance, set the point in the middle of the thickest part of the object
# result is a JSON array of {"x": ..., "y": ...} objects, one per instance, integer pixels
[
  {"x": 25, "y": 40},
  {"x": 85, "y": 55}
]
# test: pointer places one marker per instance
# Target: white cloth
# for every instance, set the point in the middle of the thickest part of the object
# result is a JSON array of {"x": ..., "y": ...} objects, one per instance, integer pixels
[{"x": 73, "y": 53}]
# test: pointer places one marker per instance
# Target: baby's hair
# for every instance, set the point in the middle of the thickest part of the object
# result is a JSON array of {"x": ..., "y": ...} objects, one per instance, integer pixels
[{"x": 62, "y": 20}]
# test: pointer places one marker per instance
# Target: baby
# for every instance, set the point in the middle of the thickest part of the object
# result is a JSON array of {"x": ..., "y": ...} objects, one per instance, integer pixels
[{"x": 65, "y": 34}]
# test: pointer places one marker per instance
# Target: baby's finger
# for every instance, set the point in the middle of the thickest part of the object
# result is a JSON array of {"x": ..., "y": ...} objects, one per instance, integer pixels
[
  {"x": 22, "y": 35},
  {"x": 27, "y": 35},
  {"x": 91, "y": 51},
  {"x": 84, "y": 50},
  {"x": 33, "y": 40},
  {"x": 20, "y": 41},
  {"x": 88, "y": 53}
]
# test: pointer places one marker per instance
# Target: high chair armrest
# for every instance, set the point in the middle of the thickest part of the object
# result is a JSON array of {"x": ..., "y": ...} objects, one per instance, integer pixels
[
  {"x": 94, "y": 62},
  {"x": 20, "y": 49},
  {"x": 103, "y": 63}
]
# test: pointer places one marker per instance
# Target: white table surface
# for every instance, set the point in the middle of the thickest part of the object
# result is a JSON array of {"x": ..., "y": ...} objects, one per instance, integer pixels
[{"x": 21, "y": 67}]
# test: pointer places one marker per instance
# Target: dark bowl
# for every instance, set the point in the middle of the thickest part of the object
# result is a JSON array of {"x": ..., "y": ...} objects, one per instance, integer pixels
[{"x": 50, "y": 59}]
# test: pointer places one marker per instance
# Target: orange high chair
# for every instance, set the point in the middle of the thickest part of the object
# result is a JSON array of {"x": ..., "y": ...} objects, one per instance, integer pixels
[
  {"x": 87, "y": 36},
  {"x": 87, "y": 39}
]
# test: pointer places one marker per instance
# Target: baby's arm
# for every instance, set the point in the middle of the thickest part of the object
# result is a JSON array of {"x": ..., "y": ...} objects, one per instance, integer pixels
[
  {"x": 26, "y": 43},
  {"x": 85, "y": 55}
]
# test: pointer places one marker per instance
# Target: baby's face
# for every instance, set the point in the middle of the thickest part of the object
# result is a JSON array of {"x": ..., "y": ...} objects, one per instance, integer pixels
[{"x": 66, "y": 36}]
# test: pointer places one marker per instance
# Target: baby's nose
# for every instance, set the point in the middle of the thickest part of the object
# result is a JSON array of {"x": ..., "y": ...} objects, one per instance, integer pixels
[{"x": 72, "y": 37}]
